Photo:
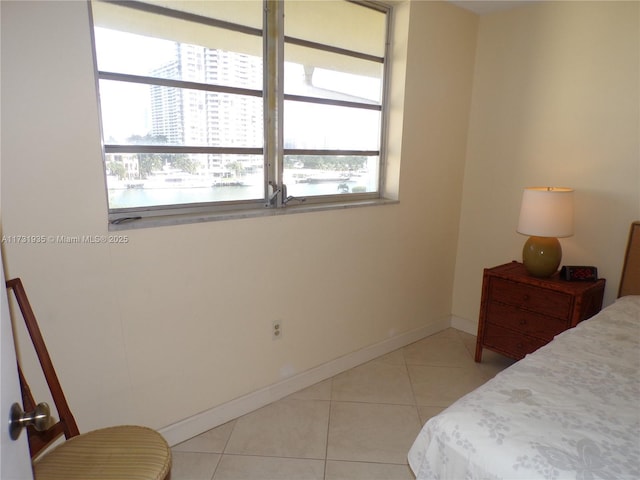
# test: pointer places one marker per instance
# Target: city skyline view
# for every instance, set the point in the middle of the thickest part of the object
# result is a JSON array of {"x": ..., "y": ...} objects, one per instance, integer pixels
[{"x": 135, "y": 113}]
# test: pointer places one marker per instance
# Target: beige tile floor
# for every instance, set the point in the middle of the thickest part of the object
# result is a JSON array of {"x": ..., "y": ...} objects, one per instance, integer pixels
[{"x": 358, "y": 425}]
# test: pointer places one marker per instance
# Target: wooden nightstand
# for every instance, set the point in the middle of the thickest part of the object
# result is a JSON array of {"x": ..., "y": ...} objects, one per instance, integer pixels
[{"x": 520, "y": 313}]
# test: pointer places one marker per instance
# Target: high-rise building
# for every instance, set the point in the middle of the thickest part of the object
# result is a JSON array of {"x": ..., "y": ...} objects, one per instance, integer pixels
[{"x": 200, "y": 118}]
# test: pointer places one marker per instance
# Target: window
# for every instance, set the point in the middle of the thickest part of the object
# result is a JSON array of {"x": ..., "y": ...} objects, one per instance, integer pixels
[{"x": 227, "y": 105}]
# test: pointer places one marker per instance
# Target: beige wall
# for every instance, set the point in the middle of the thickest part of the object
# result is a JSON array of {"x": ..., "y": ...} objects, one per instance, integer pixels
[
  {"x": 178, "y": 320},
  {"x": 555, "y": 102}
]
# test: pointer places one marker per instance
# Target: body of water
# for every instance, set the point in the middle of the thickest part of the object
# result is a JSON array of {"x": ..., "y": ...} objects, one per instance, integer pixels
[{"x": 145, "y": 197}]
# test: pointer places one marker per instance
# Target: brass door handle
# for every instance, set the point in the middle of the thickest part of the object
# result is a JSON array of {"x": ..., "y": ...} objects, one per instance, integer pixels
[{"x": 40, "y": 419}]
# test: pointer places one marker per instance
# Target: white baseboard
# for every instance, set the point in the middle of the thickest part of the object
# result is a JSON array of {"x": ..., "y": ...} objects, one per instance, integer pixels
[
  {"x": 465, "y": 325},
  {"x": 195, "y": 425}
]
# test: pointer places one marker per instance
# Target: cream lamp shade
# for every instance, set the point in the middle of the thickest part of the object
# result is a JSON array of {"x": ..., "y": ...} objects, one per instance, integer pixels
[{"x": 546, "y": 213}]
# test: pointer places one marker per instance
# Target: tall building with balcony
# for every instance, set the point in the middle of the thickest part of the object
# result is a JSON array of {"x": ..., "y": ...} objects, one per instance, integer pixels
[{"x": 200, "y": 118}]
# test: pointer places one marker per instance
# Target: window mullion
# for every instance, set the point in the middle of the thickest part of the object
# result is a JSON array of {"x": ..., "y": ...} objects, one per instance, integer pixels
[{"x": 273, "y": 100}]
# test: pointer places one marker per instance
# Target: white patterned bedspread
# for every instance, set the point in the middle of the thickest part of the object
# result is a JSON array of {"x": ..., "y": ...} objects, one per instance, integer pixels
[{"x": 571, "y": 410}]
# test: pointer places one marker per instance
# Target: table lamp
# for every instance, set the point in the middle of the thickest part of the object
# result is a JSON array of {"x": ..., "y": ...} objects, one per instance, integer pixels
[{"x": 546, "y": 213}]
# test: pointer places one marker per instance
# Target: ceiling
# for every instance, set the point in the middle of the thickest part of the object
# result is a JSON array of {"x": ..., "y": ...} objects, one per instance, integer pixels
[{"x": 487, "y": 6}]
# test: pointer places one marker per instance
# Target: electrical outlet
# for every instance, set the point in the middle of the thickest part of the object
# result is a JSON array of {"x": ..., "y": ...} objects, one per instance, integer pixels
[{"x": 276, "y": 330}]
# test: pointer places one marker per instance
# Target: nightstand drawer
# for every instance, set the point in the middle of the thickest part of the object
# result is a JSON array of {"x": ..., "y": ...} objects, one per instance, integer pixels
[
  {"x": 529, "y": 323},
  {"x": 510, "y": 343},
  {"x": 541, "y": 300}
]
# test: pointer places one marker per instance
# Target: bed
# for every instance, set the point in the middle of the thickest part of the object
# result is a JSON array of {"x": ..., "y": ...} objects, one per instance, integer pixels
[{"x": 569, "y": 410}]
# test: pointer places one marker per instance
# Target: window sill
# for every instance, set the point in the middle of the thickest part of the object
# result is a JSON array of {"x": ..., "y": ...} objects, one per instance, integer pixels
[{"x": 180, "y": 219}]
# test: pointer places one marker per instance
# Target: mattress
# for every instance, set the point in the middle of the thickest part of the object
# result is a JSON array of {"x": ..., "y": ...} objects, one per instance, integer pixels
[{"x": 569, "y": 410}]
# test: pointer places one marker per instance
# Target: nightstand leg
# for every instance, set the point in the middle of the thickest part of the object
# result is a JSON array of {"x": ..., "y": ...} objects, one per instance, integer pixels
[{"x": 478, "y": 357}]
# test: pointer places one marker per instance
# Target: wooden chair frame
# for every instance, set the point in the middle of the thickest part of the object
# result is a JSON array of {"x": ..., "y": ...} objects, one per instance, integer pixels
[
  {"x": 630, "y": 279},
  {"x": 38, "y": 441}
]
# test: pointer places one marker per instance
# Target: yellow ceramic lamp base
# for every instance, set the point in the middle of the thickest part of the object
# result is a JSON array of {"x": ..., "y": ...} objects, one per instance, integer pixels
[{"x": 541, "y": 256}]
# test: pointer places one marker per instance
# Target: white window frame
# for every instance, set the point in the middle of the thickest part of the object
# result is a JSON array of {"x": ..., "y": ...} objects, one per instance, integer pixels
[{"x": 276, "y": 199}]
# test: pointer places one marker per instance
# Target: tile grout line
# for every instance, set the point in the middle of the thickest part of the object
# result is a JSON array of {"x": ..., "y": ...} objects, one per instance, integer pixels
[
  {"x": 326, "y": 445},
  {"x": 224, "y": 449},
  {"x": 413, "y": 392},
  {"x": 413, "y": 395}
]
